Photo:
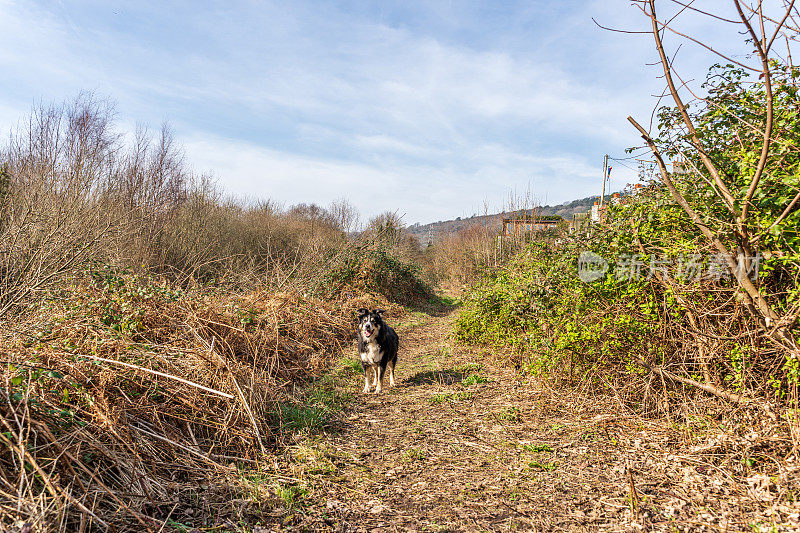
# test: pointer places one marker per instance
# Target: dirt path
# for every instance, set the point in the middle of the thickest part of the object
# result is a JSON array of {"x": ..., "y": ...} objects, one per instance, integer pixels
[{"x": 463, "y": 444}]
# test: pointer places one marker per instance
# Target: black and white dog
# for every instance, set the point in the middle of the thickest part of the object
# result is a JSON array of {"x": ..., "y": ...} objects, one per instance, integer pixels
[{"x": 377, "y": 346}]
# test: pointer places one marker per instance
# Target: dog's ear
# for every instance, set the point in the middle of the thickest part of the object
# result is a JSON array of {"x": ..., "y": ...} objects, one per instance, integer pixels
[
  {"x": 361, "y": 312},
  {"x": 380, "y": 312}
]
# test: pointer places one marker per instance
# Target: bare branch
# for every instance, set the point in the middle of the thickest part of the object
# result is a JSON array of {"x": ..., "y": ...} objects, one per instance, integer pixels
[
  {"x": 712, "y": 15},
  {"x": 780, "y": 25},
  {"x": 727, "y": 197},
  {"x": 734, "y": 398},
  {"x": 767, "y": 138},
  {"x": 696, "y": 41},
  {"x": 794, "y": 28},
  {"x": 616, "y": 30}
]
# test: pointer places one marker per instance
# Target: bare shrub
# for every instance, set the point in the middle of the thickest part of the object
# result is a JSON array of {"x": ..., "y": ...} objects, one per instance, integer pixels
[
  {"x": 387, "y": 231},
  {"x": 459, "y": 259},
  {"x": 150, "y": 184},
  {"x": 344, "y": 215},
  {"x": 75, "y": 193},
  {"x": 57, "y": 168}
]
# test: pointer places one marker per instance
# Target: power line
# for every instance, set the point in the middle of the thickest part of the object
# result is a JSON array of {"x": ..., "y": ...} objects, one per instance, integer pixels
[
  {"x": 623, "y": 164},
  {"x": 633, "y": 156}
]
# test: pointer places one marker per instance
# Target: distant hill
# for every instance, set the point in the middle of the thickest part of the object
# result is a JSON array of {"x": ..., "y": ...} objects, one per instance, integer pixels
[{"x": 429, "y": 232}]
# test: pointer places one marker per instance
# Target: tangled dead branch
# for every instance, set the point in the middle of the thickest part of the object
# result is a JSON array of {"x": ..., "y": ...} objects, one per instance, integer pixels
[{"x": 119, "y": 399}]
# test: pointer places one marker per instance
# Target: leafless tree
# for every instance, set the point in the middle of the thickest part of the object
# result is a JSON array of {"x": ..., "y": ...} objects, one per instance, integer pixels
[
  {"x": 57, "y": 167},
  {"x": 344, "y": 214}
]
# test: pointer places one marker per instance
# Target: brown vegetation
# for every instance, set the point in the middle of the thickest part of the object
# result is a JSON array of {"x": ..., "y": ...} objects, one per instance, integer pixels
[
  {"x": 154, "y": 332},
  {"x": 121, "y": 394},
  {"x": 457, "y": 260},
  {"x": 74, "y": 190},
  {"x": 163, "y": 345}
]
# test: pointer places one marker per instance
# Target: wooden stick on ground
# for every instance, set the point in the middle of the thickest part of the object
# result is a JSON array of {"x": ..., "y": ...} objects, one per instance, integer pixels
[
  {"x": 162, "y": 374},
  {"x": 734, "y": 398}
]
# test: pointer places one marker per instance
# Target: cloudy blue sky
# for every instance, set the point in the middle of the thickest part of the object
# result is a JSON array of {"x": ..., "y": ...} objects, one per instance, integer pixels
[{"x": 433, "y": 109}]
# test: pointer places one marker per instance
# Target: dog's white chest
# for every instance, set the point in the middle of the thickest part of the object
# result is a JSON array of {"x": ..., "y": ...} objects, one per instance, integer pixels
[{"x": 372, "y": 353}]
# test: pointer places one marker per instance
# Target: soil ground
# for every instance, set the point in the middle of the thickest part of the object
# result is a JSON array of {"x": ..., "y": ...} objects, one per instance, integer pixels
[{"x": 466, "y": 443}]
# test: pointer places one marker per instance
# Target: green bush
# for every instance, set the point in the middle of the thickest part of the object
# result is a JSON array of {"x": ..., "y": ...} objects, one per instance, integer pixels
[
  {"x": 651, "y": 308},
  {"x": 538, "y": 307}
]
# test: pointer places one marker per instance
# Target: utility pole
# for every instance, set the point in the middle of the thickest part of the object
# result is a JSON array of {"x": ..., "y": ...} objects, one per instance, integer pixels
[{"x": 605, "y": 174}]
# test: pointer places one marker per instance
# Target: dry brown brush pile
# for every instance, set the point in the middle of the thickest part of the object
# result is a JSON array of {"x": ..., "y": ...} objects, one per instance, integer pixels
[{"x": 121, "y": 394}]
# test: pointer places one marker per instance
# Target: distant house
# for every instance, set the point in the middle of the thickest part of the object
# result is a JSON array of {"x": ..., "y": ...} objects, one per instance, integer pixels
[
  {"x": 527, "y": 223},
  {"x": 597, "y": 213}
]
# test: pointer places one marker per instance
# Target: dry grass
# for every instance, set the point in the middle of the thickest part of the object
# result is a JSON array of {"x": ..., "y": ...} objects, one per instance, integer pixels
[{"x": 122, "y": 394}]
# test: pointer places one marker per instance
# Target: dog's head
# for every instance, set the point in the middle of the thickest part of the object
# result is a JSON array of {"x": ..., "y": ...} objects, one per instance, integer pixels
[{"x": 370, "y": 322}]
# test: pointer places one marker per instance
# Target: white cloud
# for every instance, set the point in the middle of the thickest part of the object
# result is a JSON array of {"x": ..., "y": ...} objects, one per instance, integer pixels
[
  {"x": 386, "y": 143},
  {"x": 421, "y": 192},
  {"x": 307, "y": 103}
]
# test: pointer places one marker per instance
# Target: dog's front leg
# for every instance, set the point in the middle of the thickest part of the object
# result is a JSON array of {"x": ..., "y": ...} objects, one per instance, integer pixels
[
  {"x": 379, "y": 370},
  {"x": 391, "y": 374},
  {"x": 367, "y": 379}
]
